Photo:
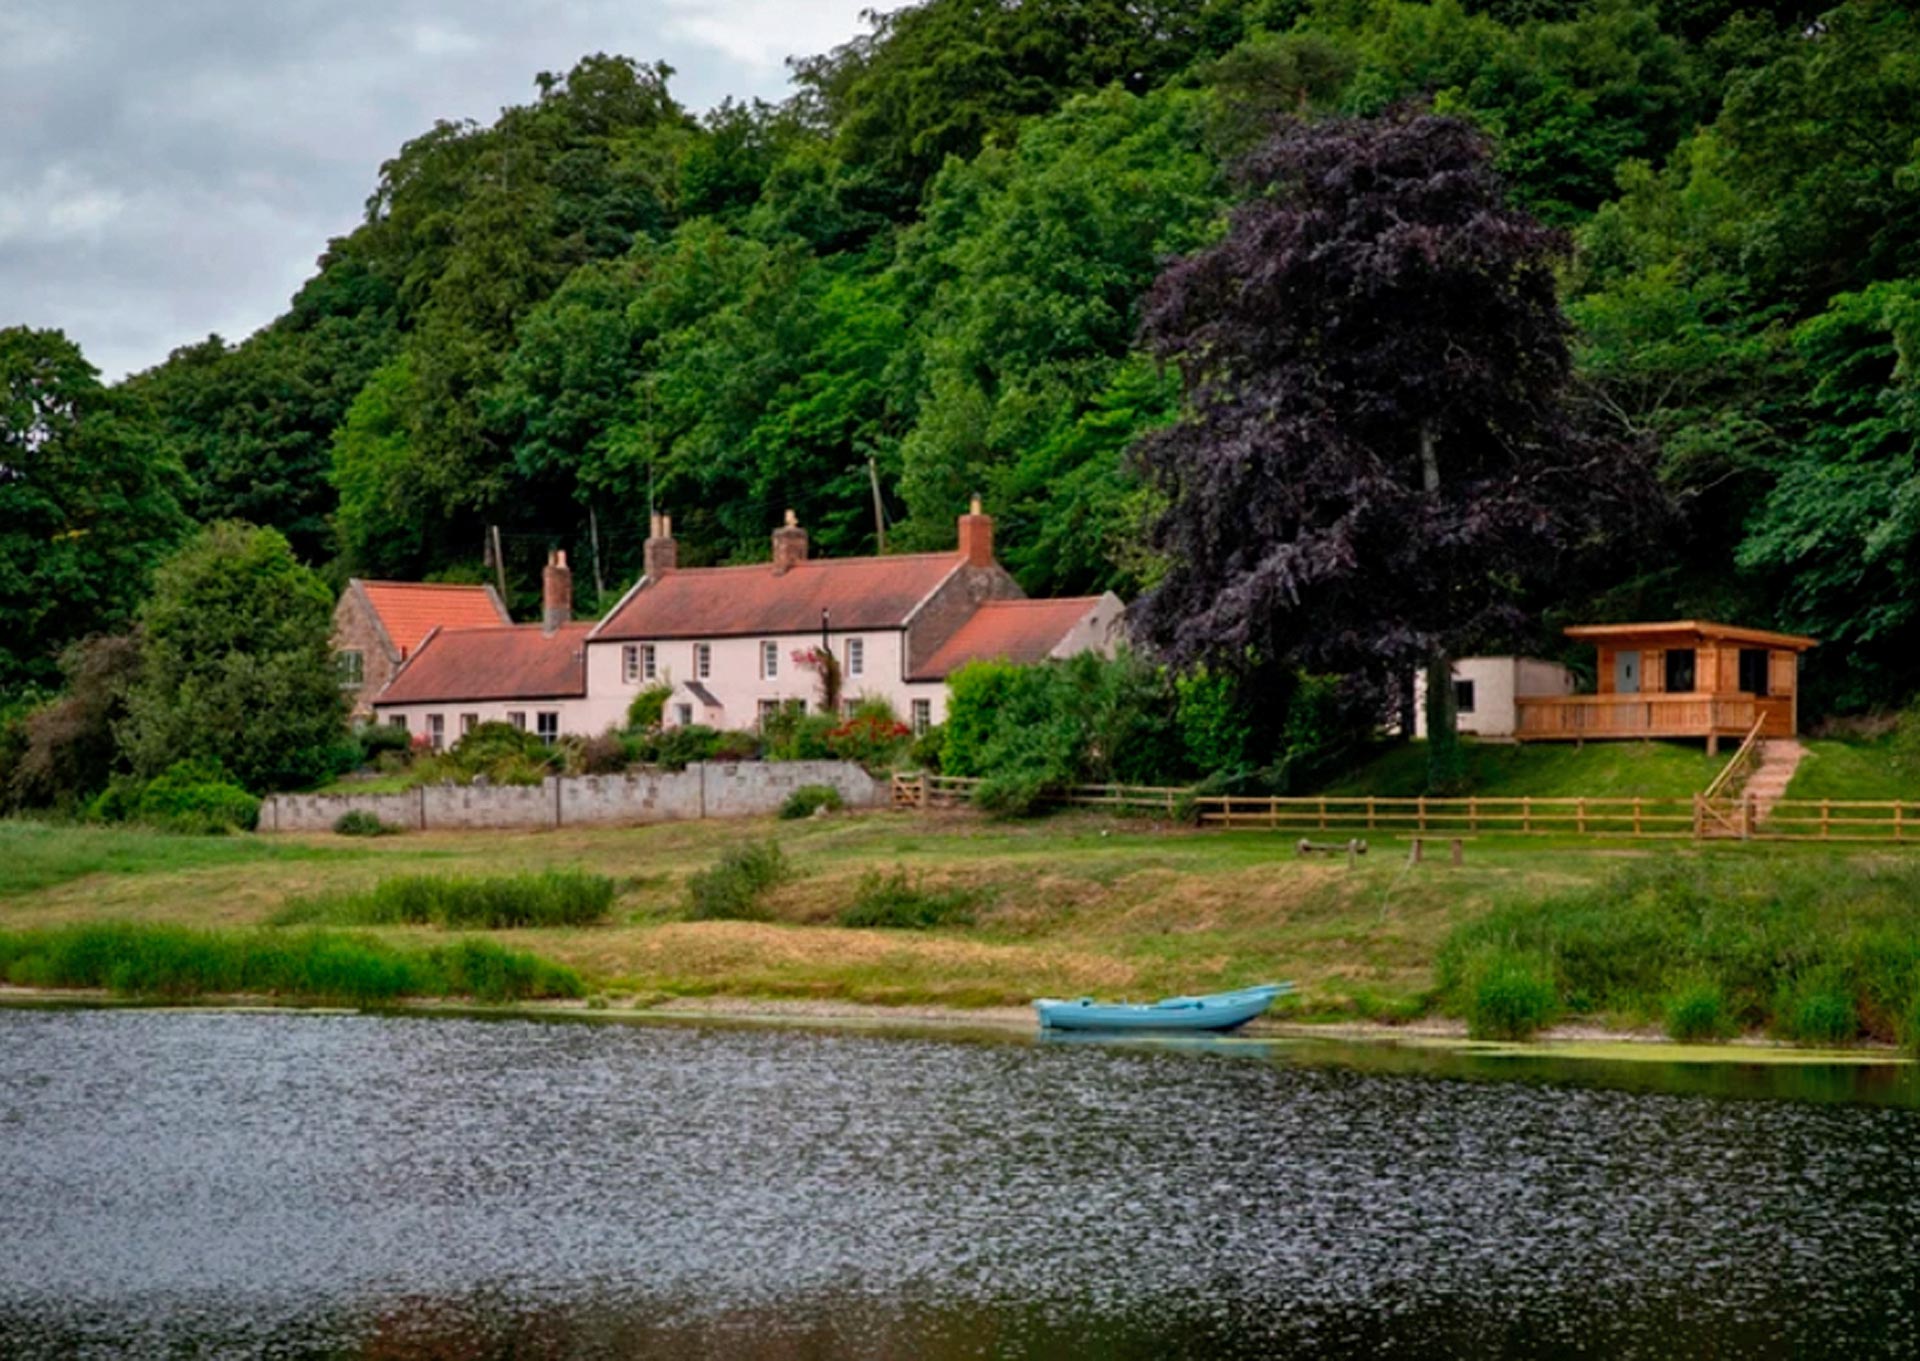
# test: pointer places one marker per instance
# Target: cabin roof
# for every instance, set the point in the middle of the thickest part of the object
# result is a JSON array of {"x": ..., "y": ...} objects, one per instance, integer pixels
[
  {"x": 410, "y": 610},
  {"x": 1695, "y": 628}
]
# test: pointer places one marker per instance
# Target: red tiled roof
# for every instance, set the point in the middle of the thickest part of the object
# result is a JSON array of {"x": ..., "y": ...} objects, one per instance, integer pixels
[
  {"x": 1008, "y": 630},
  {"x": 410, "y": 610},
  {"x": 717, "y": 602},
  {"x": 519, "y": 661}
]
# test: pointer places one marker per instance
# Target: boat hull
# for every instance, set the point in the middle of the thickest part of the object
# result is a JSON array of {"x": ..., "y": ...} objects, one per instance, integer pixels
[{"x": 1210, "y": 1014}]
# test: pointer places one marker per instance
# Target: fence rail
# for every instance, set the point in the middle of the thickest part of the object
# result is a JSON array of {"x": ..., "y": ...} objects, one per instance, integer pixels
[{"x": 1610, "y": 816}]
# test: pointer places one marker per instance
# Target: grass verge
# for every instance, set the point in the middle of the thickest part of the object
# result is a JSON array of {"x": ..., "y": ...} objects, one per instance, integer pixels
[
  {"x": 176, "y": 963},
  {"x": 493, "y": 903}
]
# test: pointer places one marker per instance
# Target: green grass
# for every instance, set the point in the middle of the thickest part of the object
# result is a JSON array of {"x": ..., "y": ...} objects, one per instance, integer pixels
[
  {"x": 177, "y": 963},
  {"x": 394, "y": 782},
  {"x": 732, "y": 890},
  {"x": 1544, "y": 770},
  {"x": 1819, "y": 949},
  {"x": 35, "y": 856},
  {"x": 494, "y": 903},
  {"x": 901, "y": 902},
  {"x": 1882, "y": 768}
]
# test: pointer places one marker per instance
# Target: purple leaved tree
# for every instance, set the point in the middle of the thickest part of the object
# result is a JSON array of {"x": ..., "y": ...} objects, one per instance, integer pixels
[{"x": 1380, "y": 456}]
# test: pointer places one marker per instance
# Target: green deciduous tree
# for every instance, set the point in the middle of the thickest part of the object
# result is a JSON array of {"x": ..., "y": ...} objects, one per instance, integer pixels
[
  {"x": 236, "y": 666},
  {"x": 87, "y": 502}
]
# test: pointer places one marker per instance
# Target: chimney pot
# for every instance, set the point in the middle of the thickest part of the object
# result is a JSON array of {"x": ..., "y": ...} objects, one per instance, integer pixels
[
  {"x": 661, "y": 554},
  {"x": 556, "y": 592},
  {"x": 789, "y": 545}
]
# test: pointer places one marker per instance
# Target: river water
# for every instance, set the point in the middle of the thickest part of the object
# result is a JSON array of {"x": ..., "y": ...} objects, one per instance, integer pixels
[{"x": 301, "y": 1185}]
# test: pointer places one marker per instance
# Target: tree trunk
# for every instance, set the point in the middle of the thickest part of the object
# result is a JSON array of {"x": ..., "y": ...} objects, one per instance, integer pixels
[{"x": 1446, "y": 771}]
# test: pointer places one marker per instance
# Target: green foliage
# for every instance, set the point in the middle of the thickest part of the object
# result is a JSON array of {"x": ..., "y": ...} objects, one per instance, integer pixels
[
  {"x": 871, "y": 737},
  {"x": 1697, "y": 1010},
  {"x": 809, "y": 799},
  {"x": 195, "y": 796},
  {"x": 1509, "y": 997},
  {"x": 65, "y": 748},
  {"x": 644, "y": 713},
  {"x": 496, "y": 903},
  {"x": 1214, "y": 731},
  {"x": 680, "y": 747},
  {"x": 731, "y": 890},
  {"x": 87, "y": 504},
  {"x": 1819, "y": 951},
  {"x": 927, "y": 749},
  {"x": 236, "y": 664},
  {"x": 792, "y": 734},
  {"x": 178, "y": 963},
  {"x": 899, "y": 902},
  {"x": 499, "y": 752},
  {"x": 359, "y": 822}
]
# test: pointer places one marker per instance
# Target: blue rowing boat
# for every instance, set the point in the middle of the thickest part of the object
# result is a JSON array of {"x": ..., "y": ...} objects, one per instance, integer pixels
[{"x": 1215, "y": 1011}]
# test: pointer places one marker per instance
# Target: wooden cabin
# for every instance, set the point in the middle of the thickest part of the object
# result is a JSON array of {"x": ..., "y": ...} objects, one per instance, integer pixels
[{"x": 1682, "y": 678}]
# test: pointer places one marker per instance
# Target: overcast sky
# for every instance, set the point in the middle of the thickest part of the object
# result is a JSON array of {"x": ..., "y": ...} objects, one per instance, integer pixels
[{"x": 170, "y": 168}]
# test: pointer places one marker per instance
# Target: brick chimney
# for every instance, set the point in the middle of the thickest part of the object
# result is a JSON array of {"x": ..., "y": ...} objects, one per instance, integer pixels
[
  {"x": 789, "y": 545},
  {"x": 976, "y": 537},
  {"x": 662, "y": 554},
  {"x": 556, "y": 592}
]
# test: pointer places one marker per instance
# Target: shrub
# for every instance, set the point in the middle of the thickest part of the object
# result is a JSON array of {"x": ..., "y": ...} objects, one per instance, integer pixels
[
  {"x": 177, "y": 962},
  {"x": 1818, "y": 1009},
  {"x": 924, "y": 754},
  {"x": 195, "y": 796},
  {"x": 896, "y": 902},
  {"x": 501, "y": 752},
  {"x": 875, "y": 739},
  {"x": 731, "y": 890},
  {"x": 1510, "y": 998},
  {"x": 378, "y": 739},
  {"x": 794, "y": 736},
  {"x": 500, "y": 902},
  {"x": 809, "y": 799},
  {"x": 359, "y": 822},
  {"x": 608, "y": 754},
  {"x": 1697, "y": 1010},
  {"x": 679, "y": 748},
  {"x": 736, "y": 745},
  {"x": 648, "y": 707}
]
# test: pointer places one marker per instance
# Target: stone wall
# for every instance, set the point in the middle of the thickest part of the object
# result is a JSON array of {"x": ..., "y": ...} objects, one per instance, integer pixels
[{"x": 711, "y": 790}]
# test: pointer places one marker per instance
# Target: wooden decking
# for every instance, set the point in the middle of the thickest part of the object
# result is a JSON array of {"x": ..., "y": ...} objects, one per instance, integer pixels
[{"x": 1573, "y": 718}]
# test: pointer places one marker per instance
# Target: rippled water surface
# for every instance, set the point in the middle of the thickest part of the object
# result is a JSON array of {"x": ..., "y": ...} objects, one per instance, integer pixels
[{"x": 307, "y": 1186}]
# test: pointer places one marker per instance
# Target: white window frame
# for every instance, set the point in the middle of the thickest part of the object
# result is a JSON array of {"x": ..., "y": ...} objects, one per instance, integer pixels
[
  {"x": 649, "y": 662},
  {"x": 350, "y": 666},
  {"x": 518, "y": 718},
  {"x": 398, "y": 720},
  {"x": 437, "y": 731},
  {"x": 769, "y": 659},
  {"x": 630, "y": 663},
  {"x": 683, "y": 714},
  {"x": 922, "y": 711},
  {"x": 546, "y": 725},
  {"x": 468, "y": 722},
  {"x": 703, "y": 661},
  {"x": 856, "y": 656}
]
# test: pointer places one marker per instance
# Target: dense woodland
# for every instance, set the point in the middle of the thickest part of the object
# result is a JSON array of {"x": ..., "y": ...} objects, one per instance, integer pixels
[{"x": 928, "y": 268}]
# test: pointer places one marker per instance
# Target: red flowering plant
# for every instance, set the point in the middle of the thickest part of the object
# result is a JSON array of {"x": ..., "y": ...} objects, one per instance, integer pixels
[
  {"x": 873, "y": 737},
  {"x": 819, "y": 659}
]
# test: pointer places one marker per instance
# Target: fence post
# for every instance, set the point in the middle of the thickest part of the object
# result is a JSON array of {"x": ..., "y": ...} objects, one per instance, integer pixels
[
  {"x": 1580, "y": 815},
  {"x": 1826, "y": 819},
  {"x": 1746, "y": 818},
  {"x": 1636, "y": 815},
  {"x": 1369, "y": 812},
  {"x": 1421, "y": 813},
  {"x": 1526, "y": 814},
  {"x": 1899, "y": 808},
  {"x": 1323, "y": 812},
  {"x": 1273, "y": 811},
  {"x": 1473, "y": 814}
]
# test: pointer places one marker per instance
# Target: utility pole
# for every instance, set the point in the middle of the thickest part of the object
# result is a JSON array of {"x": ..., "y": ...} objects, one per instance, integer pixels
[
  {"x": 593, "y": 529},
  {"x": 499, "y": 562},
  {"x": 879, "y": 510}
]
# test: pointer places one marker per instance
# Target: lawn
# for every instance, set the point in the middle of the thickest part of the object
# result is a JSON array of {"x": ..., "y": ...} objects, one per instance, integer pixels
[
  {"x": 1544, "y": 770},
  {"x": 1879, "y": 768},
  {"x": 1067, "y": 905}
]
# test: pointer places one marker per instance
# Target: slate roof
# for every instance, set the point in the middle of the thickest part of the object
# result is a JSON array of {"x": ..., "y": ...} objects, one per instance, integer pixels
[
  {"x": 410, "y": 610},
  {"x": 1008, "y": 630},
  {"x": 720, "y": 602},
  {"x": 518, "y": 661}
]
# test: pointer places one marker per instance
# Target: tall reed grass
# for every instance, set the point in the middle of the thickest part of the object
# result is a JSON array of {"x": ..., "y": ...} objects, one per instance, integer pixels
[
  {"x": 176, "y": 962},
  {"x": 498, "y": 902},
  {"x": 1824, "y": 951}
]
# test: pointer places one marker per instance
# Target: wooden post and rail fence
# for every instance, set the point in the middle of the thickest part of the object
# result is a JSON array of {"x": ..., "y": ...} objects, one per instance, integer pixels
[{"x": 1705, "y": 815}]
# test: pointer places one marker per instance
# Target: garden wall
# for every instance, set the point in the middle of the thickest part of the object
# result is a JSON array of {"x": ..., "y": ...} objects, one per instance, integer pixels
[{"x": 702, "y": 790}]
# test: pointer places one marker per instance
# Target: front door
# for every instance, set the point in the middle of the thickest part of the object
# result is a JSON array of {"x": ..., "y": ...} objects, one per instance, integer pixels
[{"x": 1626, "y": 672}]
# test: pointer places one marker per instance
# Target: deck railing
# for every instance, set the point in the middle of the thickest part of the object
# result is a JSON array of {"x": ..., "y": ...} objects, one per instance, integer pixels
[{"x": 1572, "y": 717}]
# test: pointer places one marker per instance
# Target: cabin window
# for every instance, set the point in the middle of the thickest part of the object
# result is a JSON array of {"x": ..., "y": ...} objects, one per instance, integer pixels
[
  {"x": 518, "y": 718},
  {"x": 702, "y": 661},
  {"x": 468, "y": 722},
  {"x": 1753, "y": 671},
  {"x": 351, "y": 667},
  {"x": 1680, "y": 670},
  {"x": 437, "y": 730},
  {"x": 922, "y": 715},
  {"x": 1463, "y": 696},
  {"x": 548, "y": 730},
  {"x": 856, "y": 656},
  {"x": 683, "y": 715},
  {"x": 769, "y": 660}
]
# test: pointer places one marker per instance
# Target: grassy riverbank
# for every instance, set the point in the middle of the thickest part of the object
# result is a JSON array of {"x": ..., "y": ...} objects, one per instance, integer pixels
[{"x": 1064, "y": 906}]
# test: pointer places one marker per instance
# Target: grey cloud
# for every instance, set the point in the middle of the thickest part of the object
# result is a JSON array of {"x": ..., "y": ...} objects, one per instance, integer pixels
[{"x": 173, "y": 169}]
